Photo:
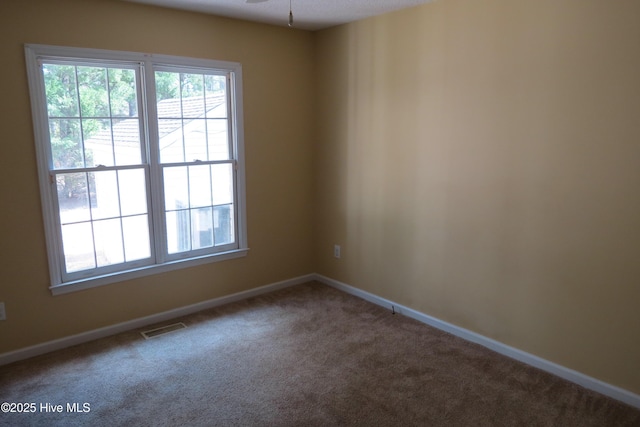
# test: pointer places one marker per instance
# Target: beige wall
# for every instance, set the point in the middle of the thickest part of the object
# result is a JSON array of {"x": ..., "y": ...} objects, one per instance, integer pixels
[
  {"x": 278, "y": 82},
  {"x": 479, "y": 161}
]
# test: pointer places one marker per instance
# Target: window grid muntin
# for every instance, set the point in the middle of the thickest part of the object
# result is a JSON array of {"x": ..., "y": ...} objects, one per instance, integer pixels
[
  {"x": 106, "y": 64},
  {"x": 234, "y": 244},
  {"x": 114, "y": 267},
  {"x": 229, "y": 95}
]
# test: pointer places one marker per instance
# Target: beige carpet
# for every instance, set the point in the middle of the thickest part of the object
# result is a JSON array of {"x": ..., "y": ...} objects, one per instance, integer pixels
[{"x": 304, "y": 356}]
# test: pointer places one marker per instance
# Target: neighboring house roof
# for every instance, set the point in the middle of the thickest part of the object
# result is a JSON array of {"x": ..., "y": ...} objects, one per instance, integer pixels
[{"x": 173, "y": 114}]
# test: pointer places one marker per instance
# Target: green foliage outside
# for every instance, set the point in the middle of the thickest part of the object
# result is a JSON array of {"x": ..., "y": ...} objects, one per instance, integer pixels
[{"x": 80, "y": 101}]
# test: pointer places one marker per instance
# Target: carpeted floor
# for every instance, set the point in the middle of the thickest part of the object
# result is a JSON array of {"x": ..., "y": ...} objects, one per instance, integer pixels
[{"x": 304, "y": 356}]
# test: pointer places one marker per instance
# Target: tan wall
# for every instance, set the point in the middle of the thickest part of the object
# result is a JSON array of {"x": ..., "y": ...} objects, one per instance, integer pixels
[
  {"x": 479, "y": 161},
  {"x": 278, "y": 82}
]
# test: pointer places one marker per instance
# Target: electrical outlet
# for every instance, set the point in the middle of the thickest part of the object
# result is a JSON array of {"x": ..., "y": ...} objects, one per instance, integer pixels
[
  {"x": 336, "y": 251},
  {"x": 3, "y": 313}
]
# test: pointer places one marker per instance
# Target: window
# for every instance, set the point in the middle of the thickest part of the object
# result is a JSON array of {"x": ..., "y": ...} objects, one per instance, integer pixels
[{"x": 140, "y": 160}]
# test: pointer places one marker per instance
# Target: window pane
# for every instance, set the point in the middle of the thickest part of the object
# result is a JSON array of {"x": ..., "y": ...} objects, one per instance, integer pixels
[
  {"x": 216, "y": 96},
  {"x": 219, "y": 109},
  {"x": 218, "y": 139},
  {"x": 73, "y": 197},
  {"x": 98, "y": 143},
  {"x": 92, "y": 85},
  {"x": 126, "y": 140},
  {"x": 222, "y": 180},
  {"x": 171, "y": 146},
  {"x": 77, "y": 242},
  {"x": 108, "y": 237},
  {"x": 195, "y": 140},
  {"x": 201, "y": 228},
  {"x": 61, "y": 90},
  {"x": 176, "y": 188},
  {"x": 66, "y": 144},
  {"x": 136, "y": 237},
  {"x": 168, "y": 94},
  {"x": 122, "y": 87},
  {"x": 178, "y": 234},
  {"x": 199, "y": 186},
  {"x": 223, "y": 225},
  {"x": 192, "y": 86},
  {"x": 133, "y": 191},
  {"x": 105, "y": 202}
]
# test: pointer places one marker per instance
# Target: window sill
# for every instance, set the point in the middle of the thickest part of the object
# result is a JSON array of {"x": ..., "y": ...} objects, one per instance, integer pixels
[{"x": 93, "y": 282}]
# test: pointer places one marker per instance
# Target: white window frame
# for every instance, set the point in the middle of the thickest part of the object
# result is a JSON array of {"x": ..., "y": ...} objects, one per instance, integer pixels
[{"x": 147, "y": 63}]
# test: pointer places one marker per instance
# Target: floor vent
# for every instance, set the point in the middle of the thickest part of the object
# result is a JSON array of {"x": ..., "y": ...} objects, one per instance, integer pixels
[{"x": 152, "y": 333}]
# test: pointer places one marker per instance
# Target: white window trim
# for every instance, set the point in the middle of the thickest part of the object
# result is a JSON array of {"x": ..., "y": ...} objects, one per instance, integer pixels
[{"x": 40, "y": 123}]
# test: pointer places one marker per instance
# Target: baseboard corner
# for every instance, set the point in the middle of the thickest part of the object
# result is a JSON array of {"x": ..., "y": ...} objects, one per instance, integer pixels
[{"x": 568, "y": 374}]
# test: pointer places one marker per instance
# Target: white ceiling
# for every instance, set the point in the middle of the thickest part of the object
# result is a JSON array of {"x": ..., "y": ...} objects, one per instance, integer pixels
[{"x": 307, "y": 14}]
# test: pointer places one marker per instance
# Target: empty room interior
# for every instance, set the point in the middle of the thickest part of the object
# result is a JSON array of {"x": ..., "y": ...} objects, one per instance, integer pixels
[{"x": 471, "y": 164}]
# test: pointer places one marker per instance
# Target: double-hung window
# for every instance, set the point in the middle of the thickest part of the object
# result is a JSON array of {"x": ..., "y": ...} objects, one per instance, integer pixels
[{"x": 140, "y": 159}]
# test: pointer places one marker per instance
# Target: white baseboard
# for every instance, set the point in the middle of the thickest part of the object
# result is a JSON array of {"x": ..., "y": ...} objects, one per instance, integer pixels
[
  {"x": 545, "y": 365},
  {"x": 36, "y": 350},
  {"x": 568, "y": 374}
]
